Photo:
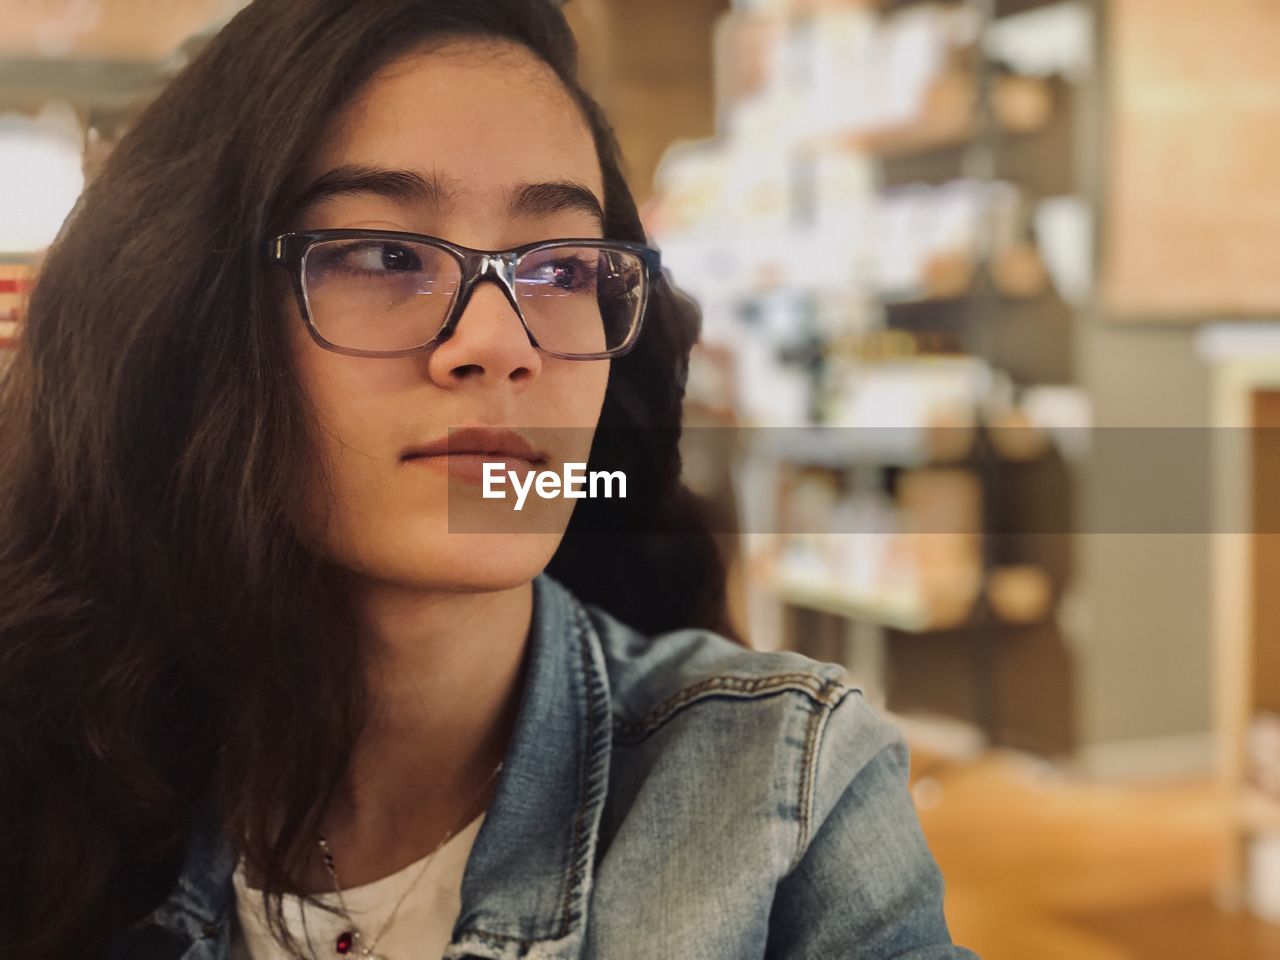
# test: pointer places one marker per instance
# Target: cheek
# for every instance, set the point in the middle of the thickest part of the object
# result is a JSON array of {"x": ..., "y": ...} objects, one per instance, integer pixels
[
  {"x": 350, "y": 399},
  {"x": 580, "y": 388},
  {"x": 576, "y": 395},
  {"x": 341, "y": 394}
]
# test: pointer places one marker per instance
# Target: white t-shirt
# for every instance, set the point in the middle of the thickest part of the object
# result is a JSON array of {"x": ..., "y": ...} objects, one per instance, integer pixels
[{"x": 422, "y": 928}]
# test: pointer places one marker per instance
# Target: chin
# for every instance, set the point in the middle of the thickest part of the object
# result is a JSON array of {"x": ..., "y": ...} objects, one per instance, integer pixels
[{"x": 464, "y": 562}]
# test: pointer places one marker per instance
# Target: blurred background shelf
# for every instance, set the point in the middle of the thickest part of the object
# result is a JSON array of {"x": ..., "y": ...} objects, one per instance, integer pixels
[
  {"x": 828, "y": 596},
  {"x": 1258, "y": 811},
  {"x": 1015, "y": 273},
  {"x": 946, "y": 197},
  {"x": 1001, "y": 7},
  {"x": 1022, "y": 106}
]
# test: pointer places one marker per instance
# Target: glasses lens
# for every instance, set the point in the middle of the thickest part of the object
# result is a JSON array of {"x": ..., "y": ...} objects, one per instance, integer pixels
[
  {"x": 580, "y": 300},
  {"x": 379, "y": 294}
]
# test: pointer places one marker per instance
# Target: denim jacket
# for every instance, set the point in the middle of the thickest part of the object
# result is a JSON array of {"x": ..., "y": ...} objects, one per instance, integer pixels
[{"x": 663, "y": 798}]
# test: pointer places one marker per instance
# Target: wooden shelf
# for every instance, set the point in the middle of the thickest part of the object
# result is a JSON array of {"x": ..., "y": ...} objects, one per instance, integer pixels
[
  {"x": 1031, "y": 340},
  {"x": 833, "y": 598},
  {"x": 1006, "y": 8},
  {"x": 1003, "y": 8},
  {"x": 949, "y": 116},
  {"x": 837, "y": 448},
  {"x": 1017, "y": 273}
]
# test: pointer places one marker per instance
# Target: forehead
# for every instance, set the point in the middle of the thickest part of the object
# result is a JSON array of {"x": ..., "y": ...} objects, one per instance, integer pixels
[{"x": 479, "y": 115}]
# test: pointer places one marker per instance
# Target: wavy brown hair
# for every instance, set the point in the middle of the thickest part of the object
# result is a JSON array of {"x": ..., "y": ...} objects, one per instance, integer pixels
[{"x": 166, "y": 641}]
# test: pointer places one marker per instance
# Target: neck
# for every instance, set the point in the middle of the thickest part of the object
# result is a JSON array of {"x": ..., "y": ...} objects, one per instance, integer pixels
[{"x": 444, "y": 677}]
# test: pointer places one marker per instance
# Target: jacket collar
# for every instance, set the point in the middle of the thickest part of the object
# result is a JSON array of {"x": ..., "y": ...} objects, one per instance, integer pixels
[
  {"x": 526, "y": 887},
  {"x": 527, "y": 883}
]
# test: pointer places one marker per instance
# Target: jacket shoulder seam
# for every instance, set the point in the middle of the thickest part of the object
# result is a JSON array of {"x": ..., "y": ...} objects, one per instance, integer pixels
[
  {"x": 808, "y": 777},
  {"x": 819, "y": 690}
]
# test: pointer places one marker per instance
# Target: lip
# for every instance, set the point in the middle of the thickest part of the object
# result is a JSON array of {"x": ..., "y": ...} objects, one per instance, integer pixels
[{"x": 470, "y": 446}]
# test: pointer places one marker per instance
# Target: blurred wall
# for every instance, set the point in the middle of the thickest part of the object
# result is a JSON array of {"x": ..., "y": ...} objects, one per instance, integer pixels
[
  {"x": 1144, "y": 658},
  {"x": 649, "y": 64},
  {"x": 1183, "y": 84}
]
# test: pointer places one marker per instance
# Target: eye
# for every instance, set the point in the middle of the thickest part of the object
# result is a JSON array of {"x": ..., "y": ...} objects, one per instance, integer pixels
[
  {"x": 372, "y": 257},
  {"x": 379, "y": 256},
  {"x": 572, "y": 273}
]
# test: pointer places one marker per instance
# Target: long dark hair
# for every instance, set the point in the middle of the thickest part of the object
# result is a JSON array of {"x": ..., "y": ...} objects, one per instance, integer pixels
[{"x": 166, "y": 641}]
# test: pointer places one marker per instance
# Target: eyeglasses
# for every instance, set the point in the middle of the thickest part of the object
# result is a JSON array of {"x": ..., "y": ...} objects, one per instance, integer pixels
[{"x": 385, "y": 293}]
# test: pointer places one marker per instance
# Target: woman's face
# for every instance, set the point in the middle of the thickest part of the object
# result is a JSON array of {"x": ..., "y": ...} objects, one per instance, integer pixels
[{"x": 479, "y": 124}]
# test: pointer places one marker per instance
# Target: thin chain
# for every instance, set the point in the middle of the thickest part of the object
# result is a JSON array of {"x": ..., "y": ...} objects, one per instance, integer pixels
[{"x": 331, "y": 868}]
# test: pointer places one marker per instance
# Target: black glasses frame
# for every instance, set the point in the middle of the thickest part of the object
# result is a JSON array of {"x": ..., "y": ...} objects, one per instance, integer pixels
[{"x": 290, "y": 250}]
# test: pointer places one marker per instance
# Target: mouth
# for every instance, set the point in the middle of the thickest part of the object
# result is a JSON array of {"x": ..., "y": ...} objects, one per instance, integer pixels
[{"x": 478, "y": 445}]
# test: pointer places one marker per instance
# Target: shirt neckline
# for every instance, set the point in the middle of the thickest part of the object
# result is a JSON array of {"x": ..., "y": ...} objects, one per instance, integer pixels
[{"x": 443, "y": 871}]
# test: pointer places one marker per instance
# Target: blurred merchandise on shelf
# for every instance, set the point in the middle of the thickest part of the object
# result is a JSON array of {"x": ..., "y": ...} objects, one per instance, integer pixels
[
  {"x": 889, "y": 240},
  {"x": 1264, "y": 753},
  {"x": 41, "y": 174},
  {"x": 1261, "y": 814},
  {"x": 1264, "y": 876}
]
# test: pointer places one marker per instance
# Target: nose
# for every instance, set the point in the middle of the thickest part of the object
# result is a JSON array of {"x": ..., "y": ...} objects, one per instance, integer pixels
[{"x": 488, "y": 343}]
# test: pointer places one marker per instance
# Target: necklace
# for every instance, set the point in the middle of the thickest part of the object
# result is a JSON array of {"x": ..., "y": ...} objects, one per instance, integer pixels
[{"x": 351, "y": 942}]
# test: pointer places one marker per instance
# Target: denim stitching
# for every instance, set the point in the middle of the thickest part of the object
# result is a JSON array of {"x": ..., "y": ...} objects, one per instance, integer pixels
[
  {"x": 822, "y": 691},
  {"x": 596, "y": 741},
  {"x": 808, "y": 775},
  {"x": 590, "y": 792}
]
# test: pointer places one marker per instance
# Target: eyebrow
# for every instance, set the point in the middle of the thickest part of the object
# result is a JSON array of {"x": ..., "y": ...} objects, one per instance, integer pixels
[
  {"x": 410, "y": 187},
  {"x": 544, "y": 199}
]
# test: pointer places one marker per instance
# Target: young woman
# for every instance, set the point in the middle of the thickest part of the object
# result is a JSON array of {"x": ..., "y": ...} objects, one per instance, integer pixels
[{"x": 270, "y": 695}]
